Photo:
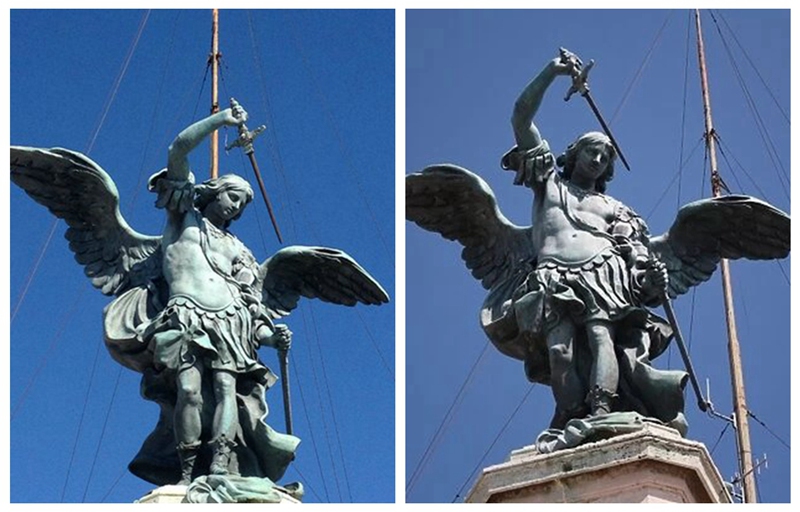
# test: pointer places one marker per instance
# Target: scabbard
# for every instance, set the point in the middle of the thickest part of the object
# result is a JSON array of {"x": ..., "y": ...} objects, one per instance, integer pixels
[
  {"x": 283, "y": 355},
  {"x": 687, "y": 361}
]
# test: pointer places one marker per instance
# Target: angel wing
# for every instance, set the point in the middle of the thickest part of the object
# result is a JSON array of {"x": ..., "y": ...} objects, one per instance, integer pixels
[
  {"x": 724, "y": 227},
  {"x": 460, "y": 206},
  {"x": 74, "y": 188},
  {"x": 316, "y": 273}
]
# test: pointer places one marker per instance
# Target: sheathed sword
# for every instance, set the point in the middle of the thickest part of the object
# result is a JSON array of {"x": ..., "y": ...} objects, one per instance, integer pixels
[
  {"x": 580, "y": 74},
  {"x": 245, "y": 141},
  {"x": 283, "y": 355},
  {"x": 702, "y": 402}
]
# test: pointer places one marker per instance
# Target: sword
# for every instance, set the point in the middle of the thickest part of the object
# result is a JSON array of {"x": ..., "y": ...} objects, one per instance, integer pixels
[
  {"x": 245, "y": 141},
  {"x": 580, "y": 74},
  {"x": 667, "y": 303},
  {"x": 283, "y": 358},
  {"x": 283, "y": 355}
]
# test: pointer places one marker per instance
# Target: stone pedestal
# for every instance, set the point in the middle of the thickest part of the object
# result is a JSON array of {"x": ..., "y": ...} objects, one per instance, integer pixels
[
  {"x": 164, "y": 494},
  {"x": 176, "y": 493},
  {"x": 652, "y": 465}
]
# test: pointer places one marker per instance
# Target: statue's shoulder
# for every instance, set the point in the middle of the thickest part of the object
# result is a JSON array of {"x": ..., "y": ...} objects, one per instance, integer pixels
[
  {"x": 624, "y": 214},
  {"x": 174, "y": 195},
  {"x": 623, "y": 211},
  {"x": 244, "y": 255},
  {"x": 539, "y": 159}
]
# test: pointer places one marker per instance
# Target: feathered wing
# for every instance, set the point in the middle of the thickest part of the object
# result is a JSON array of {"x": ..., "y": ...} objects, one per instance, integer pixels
[
  {"x": 115, "y": 257},
  {"x": 729, "y": 227},
  {"x": 315, "y": 273},
  {"x": 460, "y": 206}
]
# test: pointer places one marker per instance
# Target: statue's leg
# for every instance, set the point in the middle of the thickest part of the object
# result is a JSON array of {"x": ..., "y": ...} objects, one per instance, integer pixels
[
  {"x": 188, "y": 423},
  {"x": 568, "y": 390},
  {"x": 225, "y": 421},
  {"x": 604, "y": 377}
]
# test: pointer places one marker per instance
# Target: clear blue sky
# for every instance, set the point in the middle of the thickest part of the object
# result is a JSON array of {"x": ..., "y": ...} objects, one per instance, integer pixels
[
  {"x": 323, "y": 82},
  {"x": 464, "y": 70}
]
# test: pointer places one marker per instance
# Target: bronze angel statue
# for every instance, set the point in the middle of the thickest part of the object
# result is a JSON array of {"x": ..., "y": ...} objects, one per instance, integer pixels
[
  {"x": 570, "y": 294},
  {"x": 192, "y": 306}
]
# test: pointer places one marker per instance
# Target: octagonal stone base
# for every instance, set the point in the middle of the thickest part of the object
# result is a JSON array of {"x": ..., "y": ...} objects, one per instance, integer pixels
[
  {"x": 652, "y": 465},
  {"x": 176, "y": 493},
  {"x": 164, "y": 494}
]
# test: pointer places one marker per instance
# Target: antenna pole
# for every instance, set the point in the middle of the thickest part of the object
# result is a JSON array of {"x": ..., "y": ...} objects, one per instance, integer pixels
[
  {"x": 734, "y": 353},
  {"x": 213, "y": 59}
]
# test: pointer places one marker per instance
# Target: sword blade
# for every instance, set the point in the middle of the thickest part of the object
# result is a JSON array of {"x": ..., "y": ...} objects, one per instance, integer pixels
[
  {"x": 257, "y": 172},
  {"x": 606, "y": 129}
]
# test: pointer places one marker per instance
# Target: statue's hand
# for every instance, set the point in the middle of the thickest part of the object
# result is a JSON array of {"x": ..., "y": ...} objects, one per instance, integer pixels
[
  {"x": 282, "y": 338},
  {"x": 560, "y": 68},
  {"x": 235, "y": 115},
  {"x": 656, "y": 277},
  {"x": 567, "y": 63}
]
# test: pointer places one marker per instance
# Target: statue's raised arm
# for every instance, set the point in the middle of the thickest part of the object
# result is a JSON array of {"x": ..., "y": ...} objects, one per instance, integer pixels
[
  {"x": 189, "y": 138},
  {"x": 175, "y": 184},
  {"x": 525, "y": 131},
  {"x": 532, "y": 159}
]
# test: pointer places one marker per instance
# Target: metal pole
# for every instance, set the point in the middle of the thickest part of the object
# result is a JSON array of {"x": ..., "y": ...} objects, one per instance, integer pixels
[
  {"x": 734, "y": 353},
  {"x": 214, "y": 61}
]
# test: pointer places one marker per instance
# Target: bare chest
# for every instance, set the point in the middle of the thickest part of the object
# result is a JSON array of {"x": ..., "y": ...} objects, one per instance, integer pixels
[
  {"x": 565, "y": 204},
  {"x": 197, "y": 245}
]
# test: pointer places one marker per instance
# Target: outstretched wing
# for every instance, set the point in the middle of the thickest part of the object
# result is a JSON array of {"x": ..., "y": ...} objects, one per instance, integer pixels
[
  {"x": 724, "y": 227},
  {"x": 74, "y": 188},
  {"x": 460, "y": 206},
  {"x": 316, "y": 273}
]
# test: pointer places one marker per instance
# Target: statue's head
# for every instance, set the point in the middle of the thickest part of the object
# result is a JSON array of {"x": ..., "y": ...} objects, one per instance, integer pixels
[
  {"x": 224, "y": 197},
  {"x": 583, "y": 151}
]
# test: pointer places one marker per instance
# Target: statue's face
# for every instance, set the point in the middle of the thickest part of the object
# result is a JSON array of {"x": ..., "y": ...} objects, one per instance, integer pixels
[
  {"x": 229, "y": 203},
  {"x": 592, "y": 161}
]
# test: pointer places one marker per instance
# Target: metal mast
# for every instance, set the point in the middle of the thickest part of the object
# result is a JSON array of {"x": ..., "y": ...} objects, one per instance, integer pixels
[
  {"x": 213, "y": 59},
  {"x": 737, "y": 378}
]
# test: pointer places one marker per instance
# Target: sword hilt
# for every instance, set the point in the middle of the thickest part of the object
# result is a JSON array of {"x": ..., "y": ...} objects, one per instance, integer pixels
[
  {"x": 580, "y": 76},
  {"x": 579, "y": 72},
  {"x": 246, "y": 137}
]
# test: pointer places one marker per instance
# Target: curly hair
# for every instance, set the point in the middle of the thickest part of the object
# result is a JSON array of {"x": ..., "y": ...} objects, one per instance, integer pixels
[
  {"x": 207, "y": 192},
  {"x": 568, "y": 158}
]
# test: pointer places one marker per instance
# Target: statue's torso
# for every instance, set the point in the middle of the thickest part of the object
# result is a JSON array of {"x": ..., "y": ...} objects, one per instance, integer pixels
[
  {"x": 567, "y": 219},
  {"x": 194, "y": 261}
]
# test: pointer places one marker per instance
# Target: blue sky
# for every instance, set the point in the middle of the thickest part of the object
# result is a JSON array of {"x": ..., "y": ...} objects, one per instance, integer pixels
[
  {"x": 464, "y": 70},
  {"x": 323, "y": 82}
]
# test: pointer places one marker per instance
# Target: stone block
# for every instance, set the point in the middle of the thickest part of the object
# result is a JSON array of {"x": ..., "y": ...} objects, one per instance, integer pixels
[{"x": 652, "y": 465}]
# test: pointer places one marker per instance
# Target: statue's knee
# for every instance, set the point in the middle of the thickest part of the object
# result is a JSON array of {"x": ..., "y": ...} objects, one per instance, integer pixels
[
  {"x": 224, "y": 384},
  {"x": 190, "y": 394},
  {"x": 599, "y": 331}
]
